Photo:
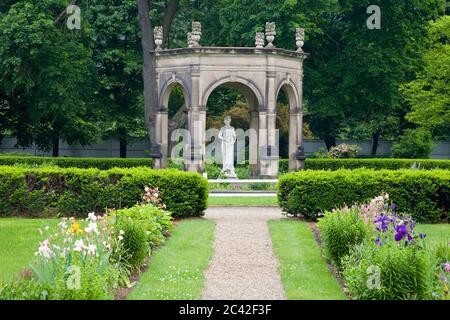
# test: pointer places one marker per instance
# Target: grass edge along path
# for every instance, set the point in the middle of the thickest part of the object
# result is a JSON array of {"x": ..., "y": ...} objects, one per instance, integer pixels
[
  {"x": 243, "y": 201},
  {"x": 176, "y": 270},
  {"x": 304, "y": 272}
]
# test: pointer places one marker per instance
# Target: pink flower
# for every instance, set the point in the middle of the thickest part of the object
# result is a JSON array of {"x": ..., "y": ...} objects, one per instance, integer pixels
[{"x": 446, "y": 267}]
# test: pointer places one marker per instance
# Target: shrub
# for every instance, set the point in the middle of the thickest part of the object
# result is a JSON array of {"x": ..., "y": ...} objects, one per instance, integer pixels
[
  {"x": 423, "y": 194},
  {"x": 72, "y": 191},
  {"x": 405, "y": 272},
  {"x": 134, "y": 241},
  {"x": 339, "y": 231},
  {"x": 155, "y": 221},
  {"x": 413, "y": 144},
  {"x": 378, "y": 164},
  {"x": 344, "y": 151}
]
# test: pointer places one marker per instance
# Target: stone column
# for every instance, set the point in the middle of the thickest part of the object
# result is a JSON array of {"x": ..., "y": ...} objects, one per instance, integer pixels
[
  {"x": 194, "y": 152},
  {"x": 268, "y": 140},
  {"x": 253, "y": 144},
  {"x": 161, "y": 139},
  {"x": 296, "y": 149}
]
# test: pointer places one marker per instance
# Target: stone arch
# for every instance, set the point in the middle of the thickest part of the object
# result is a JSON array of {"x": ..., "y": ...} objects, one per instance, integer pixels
[
  {"x": 246, "y": 86},
  {"x": 166, "y": 90},
  {"x": 290, "y": 89}
]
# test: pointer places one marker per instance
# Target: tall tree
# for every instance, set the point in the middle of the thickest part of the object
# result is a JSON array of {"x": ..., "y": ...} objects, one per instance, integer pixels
[
  {"x": 45, "y": 77},
  {"x": 429, "y": 94},
  {"x": 148, "y": 73},
  {"x": 118, "y": 60}
]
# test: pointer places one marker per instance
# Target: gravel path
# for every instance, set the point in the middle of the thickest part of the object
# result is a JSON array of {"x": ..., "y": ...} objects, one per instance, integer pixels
[{"x": 244, "y": 266}]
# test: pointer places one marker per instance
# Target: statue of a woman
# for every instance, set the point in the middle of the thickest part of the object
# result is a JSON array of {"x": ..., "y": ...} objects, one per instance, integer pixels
[{"x": 228, "y": 136}]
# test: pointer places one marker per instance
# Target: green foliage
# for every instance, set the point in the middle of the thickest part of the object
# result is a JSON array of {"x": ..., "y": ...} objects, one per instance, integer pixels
[
  {"x": 422, "y": 194},
  {"x": 340, "y": 231},
  {"x": 413, "y": 144},
  {"x": 405, "y": 272},
  {"x": 46, "y": 83},
  {"x": 154, "y": 220},
  {"x": 134, "y": 242},
  {"x": 20, "y": 288},
  {"x": 429, "y": 94},
  {"x": 73, "y": 191}
]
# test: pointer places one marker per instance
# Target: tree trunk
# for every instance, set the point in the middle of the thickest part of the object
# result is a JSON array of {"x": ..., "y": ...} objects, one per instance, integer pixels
[
  {"x": 55, "y": 147},
  {"x": 330, "y": 141},
  {"x": 375, "y": 140},
  {"x": 170, "y": 13},
  {"x": 148, "y": 73},
  {"x": 123, "y": 147}
]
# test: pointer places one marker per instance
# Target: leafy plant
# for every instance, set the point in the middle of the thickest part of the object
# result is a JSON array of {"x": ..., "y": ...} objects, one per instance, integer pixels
[
  {"x": 413, "y": 144},
  {"x": 134, "y": 241}
]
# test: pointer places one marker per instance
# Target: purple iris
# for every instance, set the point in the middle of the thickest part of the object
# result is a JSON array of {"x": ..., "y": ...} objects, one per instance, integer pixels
[
  {"x": 383, "y": 220},
  {"x": 422, "y": 235},
  {"x": 392, "y": 207},
  {"x": 402, "y": 231},
  {"x": 378, "y": 241}
]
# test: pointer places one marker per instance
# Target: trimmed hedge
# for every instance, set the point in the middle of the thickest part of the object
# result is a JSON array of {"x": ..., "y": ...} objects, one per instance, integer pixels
[
  {"x": 72, "y": 191},
  {"x": 373, "y": 163},
  {"x": 313, "y": 164},
  {"x": 63, "y": 162},
  {"x": 423, "y": 194}
]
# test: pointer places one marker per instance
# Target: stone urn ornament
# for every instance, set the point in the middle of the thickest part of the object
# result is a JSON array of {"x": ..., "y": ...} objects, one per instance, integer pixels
[
  {"x": 189, "y": 40},
  {"x": 259, "y": 40},
  {"x": 270, "y": 34},
  {"x": 299, "y": 39},
  {"x": 158, "y": 32},
  {"x": 196, "y": 33}
]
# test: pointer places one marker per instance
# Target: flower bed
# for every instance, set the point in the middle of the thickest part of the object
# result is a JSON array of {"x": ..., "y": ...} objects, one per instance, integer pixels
[
  {"x": 71, "y": 191},
  {"x": 89, "y": 260},
  {"x": 425, "y": 195},
  {"x": 385, "y": 259}
]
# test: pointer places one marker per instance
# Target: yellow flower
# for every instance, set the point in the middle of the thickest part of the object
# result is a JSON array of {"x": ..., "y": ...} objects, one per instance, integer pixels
[{"x": 76, "y": 228}]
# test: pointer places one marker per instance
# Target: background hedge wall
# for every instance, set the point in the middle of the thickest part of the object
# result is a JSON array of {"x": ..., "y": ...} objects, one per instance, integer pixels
[
  {"x": 313, "y": 164},
  {"x": 423, "y": 194},
  {"x": 73, "y": 191}
]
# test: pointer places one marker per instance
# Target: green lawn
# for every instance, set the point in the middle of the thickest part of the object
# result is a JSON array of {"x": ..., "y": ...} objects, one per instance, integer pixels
[
  {"x": 304, "y": 271},
  {"x": 436, "y": 233},
  {"x": 19, "y": 240},
  {"x": 176, "y": 270},
  {"x": 242, "y": 201}
]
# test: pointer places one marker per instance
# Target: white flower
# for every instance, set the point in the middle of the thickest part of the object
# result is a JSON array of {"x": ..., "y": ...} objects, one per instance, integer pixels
[
  {"x": 92, "y": 228},
  {"x": 92, "y": 217},
  {"x": 79, "y": 245},
  {"x": 92, "y": 249},
  {"x": 120, "y": 238},
  {"x": 121, "y": 232},
  {"x": 44, "y": 250}
]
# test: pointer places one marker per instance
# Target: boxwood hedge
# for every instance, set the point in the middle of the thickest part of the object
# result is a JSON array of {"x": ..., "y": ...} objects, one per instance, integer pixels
[
  {"x": 424, "y": 194},
  {"x": 73, "y": 191},
  {"x": 313, "y": 164}
]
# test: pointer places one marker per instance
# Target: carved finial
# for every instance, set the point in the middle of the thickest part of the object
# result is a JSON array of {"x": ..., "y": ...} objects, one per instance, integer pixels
[
  {"x": 189, "y": 40},
  {"x": 259, "y": 40},
  {"x": 196, "y": 33},
  {"x": 158, "y": 33},
  {"x": 299, "y": 39},
  {"x": 270, "y": 34}
]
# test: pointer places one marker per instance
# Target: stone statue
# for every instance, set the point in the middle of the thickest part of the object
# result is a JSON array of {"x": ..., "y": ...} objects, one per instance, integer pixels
[{"x": 227, "y": 135}]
